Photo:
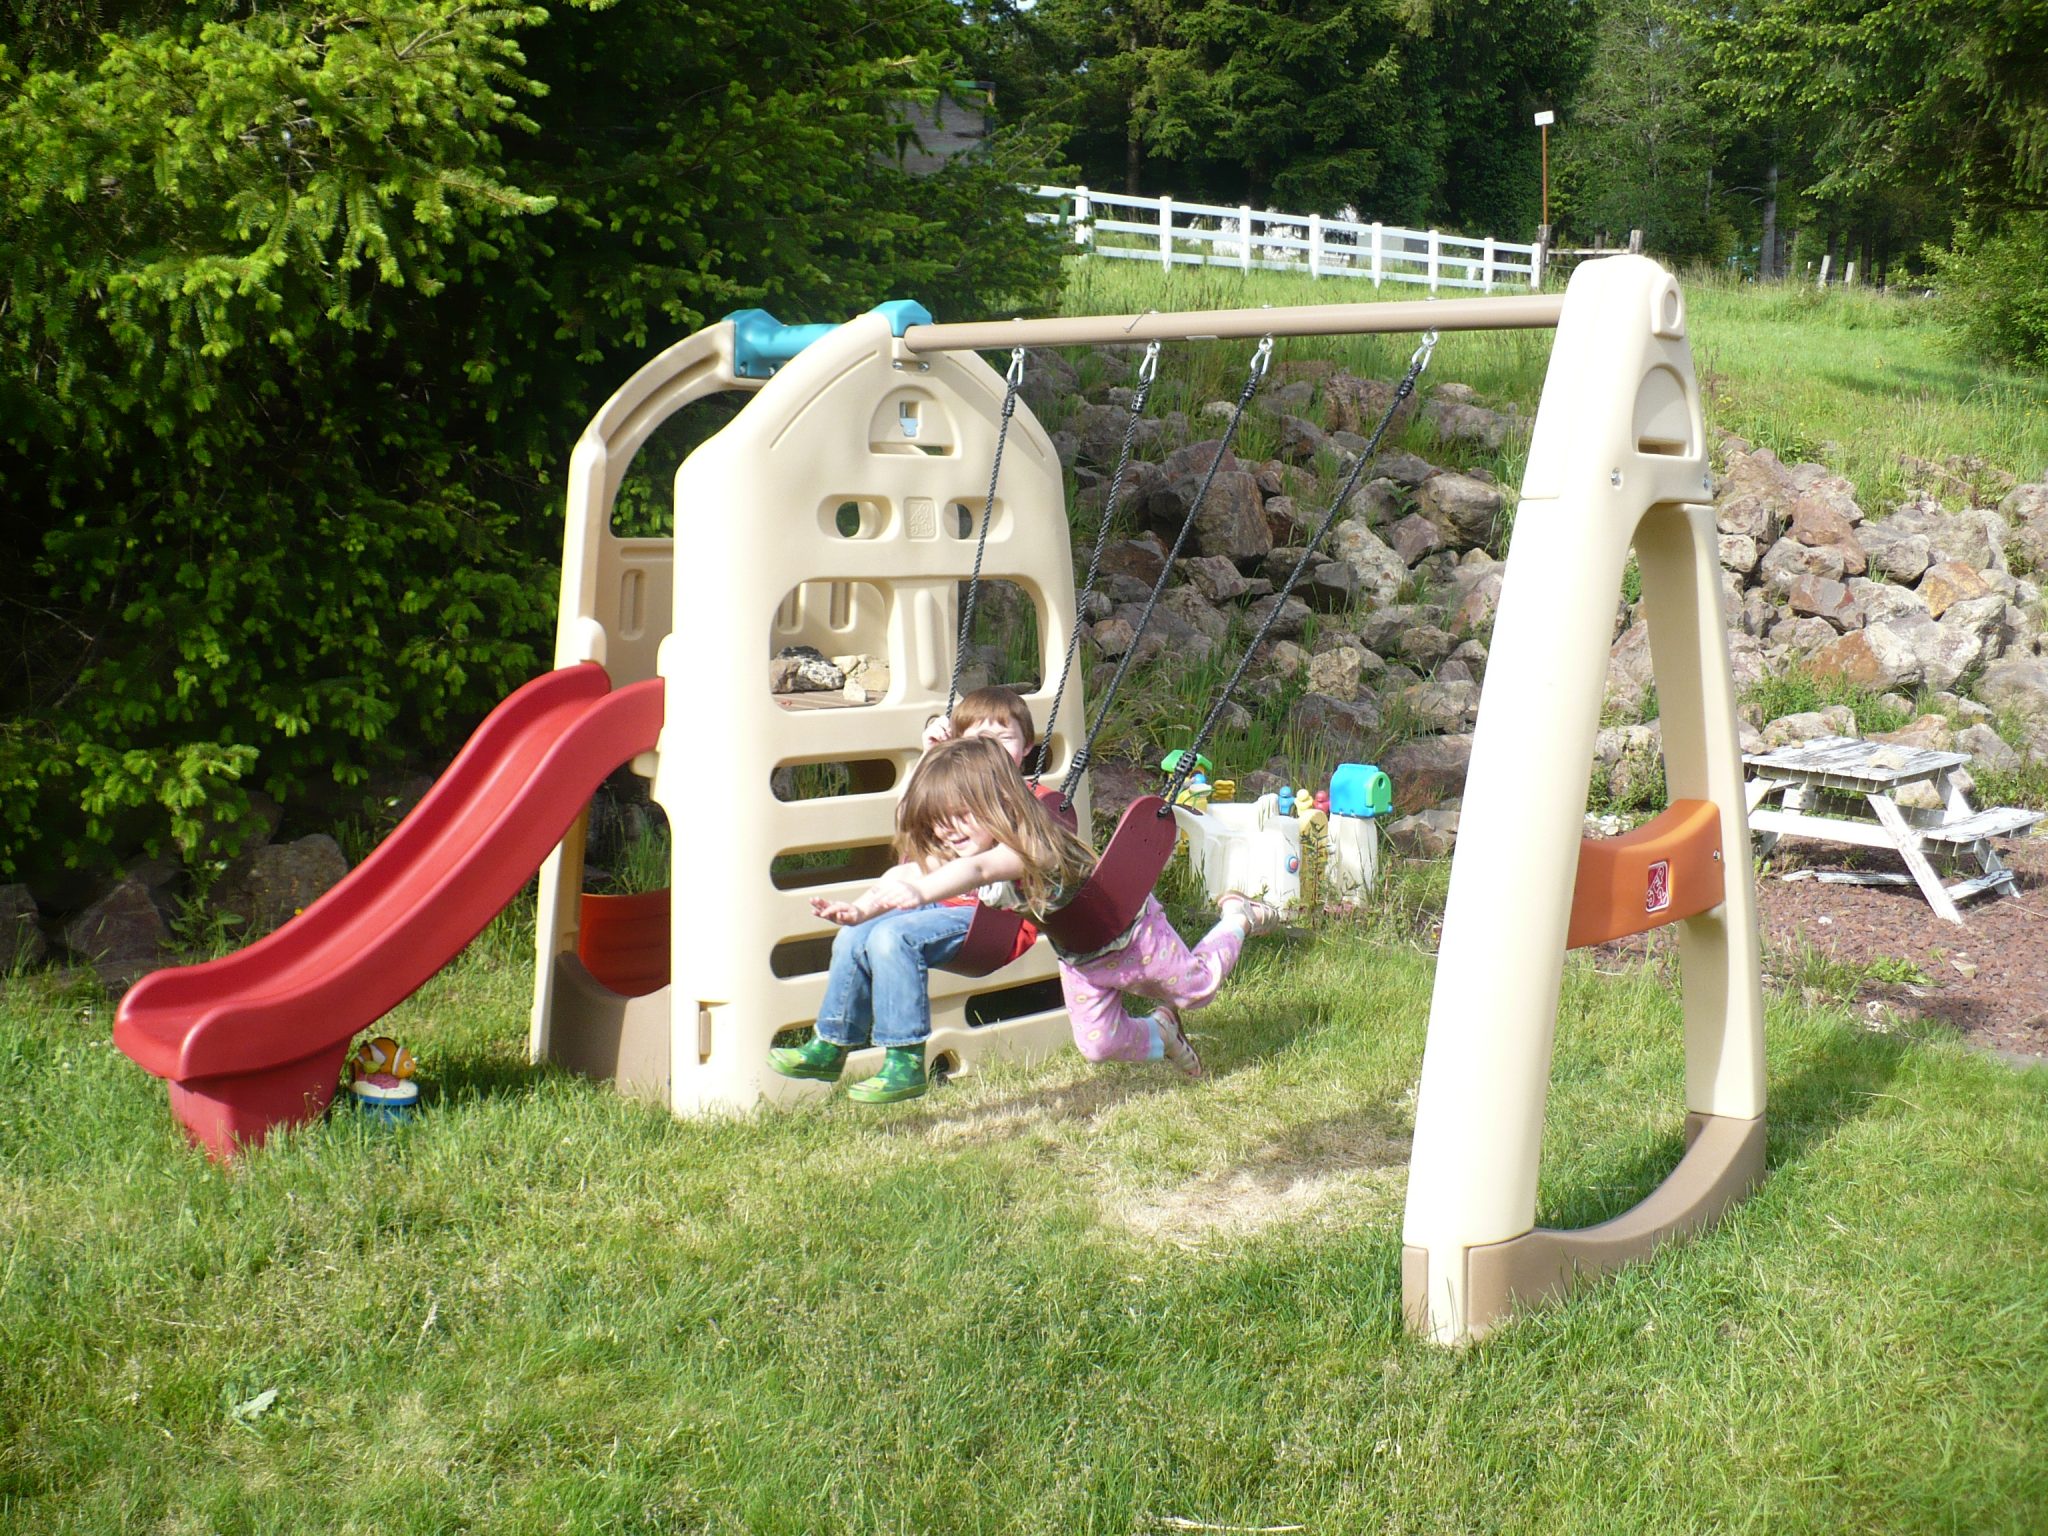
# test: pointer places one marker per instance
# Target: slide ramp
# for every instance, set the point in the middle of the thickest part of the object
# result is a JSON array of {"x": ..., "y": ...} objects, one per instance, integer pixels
[{"x": 257, "y": 1038}]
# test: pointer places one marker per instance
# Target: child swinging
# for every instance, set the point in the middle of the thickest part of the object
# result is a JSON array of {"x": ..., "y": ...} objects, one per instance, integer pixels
[{"x": 969, "y": 822}]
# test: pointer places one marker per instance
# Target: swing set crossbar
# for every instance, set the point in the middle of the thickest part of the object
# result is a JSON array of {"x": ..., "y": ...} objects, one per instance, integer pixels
[{"x": 1514, "y": 313}]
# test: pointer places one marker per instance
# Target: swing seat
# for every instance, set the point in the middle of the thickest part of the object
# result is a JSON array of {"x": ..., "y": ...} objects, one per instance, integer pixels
[{"x": 1109, "y": 900}]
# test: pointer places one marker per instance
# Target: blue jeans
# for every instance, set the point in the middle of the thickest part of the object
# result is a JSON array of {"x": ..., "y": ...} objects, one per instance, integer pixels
[{"x": 876, "y": 992}]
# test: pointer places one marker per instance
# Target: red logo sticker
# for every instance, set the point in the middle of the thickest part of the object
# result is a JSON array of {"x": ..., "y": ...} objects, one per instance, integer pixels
[{"x": 1657, "y": 895}]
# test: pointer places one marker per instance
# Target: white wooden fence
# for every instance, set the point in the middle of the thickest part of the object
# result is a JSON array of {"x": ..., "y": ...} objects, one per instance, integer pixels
[{"x": 1198, "y": 234}]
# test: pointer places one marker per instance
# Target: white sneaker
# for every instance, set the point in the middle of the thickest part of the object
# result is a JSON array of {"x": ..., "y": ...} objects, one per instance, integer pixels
[{"x": 1180, "y": 1052}]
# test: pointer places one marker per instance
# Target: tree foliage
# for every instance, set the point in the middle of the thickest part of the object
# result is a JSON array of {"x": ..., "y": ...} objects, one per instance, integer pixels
[
  {"x": 1409, "y": 110},
  {"x": 301, "y": 308}
]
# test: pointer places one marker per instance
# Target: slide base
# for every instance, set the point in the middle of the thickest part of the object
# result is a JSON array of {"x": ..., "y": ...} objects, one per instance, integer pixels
[{"x": 238, "y": 1109}]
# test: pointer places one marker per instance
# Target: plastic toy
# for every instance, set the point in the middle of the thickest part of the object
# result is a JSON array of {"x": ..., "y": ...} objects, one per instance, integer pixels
[{"x": 380, "y": 1083}]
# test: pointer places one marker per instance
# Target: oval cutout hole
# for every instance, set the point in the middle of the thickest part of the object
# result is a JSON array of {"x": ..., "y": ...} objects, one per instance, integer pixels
[{"x": 828, "y": 781}]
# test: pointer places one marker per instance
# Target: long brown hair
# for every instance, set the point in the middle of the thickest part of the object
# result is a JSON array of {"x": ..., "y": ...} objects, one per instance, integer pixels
[{"x": 976, "y": 777}]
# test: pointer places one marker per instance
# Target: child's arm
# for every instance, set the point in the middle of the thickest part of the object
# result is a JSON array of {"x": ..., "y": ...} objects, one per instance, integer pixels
[{"x": 907, "y": 886}]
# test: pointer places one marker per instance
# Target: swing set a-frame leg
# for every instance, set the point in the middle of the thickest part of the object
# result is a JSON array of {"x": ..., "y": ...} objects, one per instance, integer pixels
[{"x": 1618, "y": 460}]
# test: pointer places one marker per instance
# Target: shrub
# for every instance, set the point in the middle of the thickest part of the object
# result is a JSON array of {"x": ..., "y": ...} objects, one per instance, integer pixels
[{"x": 1993, "y": 291}]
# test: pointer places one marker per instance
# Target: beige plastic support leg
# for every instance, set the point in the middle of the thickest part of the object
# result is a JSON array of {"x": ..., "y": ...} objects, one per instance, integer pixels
[
  {"x": 617, "y": 595},
  {"x": 1618, "y": 459}
]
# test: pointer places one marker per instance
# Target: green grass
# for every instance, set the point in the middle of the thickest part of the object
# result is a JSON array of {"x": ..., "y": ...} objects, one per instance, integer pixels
[
  {"x": 1058, "y": 1298},
  {"x": 1871, "y": 376}
]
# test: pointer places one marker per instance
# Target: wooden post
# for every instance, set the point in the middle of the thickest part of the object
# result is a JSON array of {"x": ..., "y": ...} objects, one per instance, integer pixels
[
  {"x": 1434, "y": 249},
  {"x": 1166, "y": 234},
  {"x": 1635, "y": 242},
  {"x": 1084, "y": 231},
  {"x": 1378, "y": 255},
  {"x": 1315, "y": 245},
  {"x": 1540, "y": 257},
  {"x": 1486, "y": 279},
  {"x": 1826, "y": 260},
  {"x": 1244, "y": 228}
]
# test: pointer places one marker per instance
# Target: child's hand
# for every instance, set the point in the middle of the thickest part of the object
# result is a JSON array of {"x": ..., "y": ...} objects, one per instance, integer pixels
[
  {"x": 937, "y": 729},
  {"x": 844, "y": 913},
  {"x": 890, "y": 894}
]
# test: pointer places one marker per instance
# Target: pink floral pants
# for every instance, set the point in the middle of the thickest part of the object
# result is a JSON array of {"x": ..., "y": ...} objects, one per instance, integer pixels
[{"x": 1156, "y": 964}]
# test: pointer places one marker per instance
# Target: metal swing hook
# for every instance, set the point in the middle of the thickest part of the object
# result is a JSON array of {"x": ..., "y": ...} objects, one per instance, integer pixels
[
  {"x": 1423, "y": 353},
  {"x": 1148, "y": 370},
  {"x": 1015, "y": 375},
  {"x": 1262, "y": 358}
]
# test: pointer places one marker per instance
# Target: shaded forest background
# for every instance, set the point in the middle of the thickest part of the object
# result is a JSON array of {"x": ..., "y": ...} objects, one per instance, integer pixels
[{"x": 301, "y": 307}]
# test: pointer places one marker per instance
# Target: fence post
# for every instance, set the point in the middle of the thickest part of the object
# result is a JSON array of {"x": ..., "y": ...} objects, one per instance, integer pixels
[
  {"x": 1635, "y": 242},
  {"x": 1166, "y": 234},
  {"x": 1244, "y": 230},
  {"x": 1433, "y": 249},
  {"x": 1826, "y": 258},
  {"x": 1540, "y": 257},
  {"x": 1849, "y": 275},
  {"x": 1084, "y": 232},
  {"x": 1315, "y": 245},
  {"x": 1378, "y": 260},
  {"x": 1486, "y": 275}
]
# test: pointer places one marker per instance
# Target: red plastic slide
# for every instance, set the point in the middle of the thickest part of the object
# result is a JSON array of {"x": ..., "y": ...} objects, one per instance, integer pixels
[{"x": 257, "y": 1038}]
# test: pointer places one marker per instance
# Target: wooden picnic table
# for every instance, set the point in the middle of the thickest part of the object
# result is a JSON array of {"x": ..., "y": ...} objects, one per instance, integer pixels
[{"x": 1844, "y": 790}]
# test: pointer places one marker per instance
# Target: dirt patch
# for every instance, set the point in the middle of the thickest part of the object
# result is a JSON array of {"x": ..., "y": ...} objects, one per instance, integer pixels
[
  {"x": 1315, "y": 1171},
  {"x": 1881, "y": 947}
]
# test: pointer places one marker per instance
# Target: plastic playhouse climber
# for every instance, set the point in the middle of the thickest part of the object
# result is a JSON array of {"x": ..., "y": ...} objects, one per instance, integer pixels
[{"x": 838, "y": 509}]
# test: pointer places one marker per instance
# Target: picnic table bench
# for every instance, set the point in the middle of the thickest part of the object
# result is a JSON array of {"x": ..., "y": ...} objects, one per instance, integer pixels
[{"x": 1843, "y": 789}]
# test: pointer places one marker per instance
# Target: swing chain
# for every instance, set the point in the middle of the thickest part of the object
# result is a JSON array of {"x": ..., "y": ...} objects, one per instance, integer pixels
[
  {"x": 1013, "y": 380},
  {"x": 1190, "y": 756},
  {"x": 1254, "y": 374},
  {"x": 1148, "y": 370}
]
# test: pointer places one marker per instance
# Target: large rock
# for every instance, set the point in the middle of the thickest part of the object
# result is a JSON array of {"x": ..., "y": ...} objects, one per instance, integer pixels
[
  {"x": 1427, "y": 770},
  {"x": 21, "y": 931},
  {"x": 1191, "y": 607},
  {"x": 1754, "y": 496},
  {"x": 1476, "y": 608},
  {"x": 1343, "y": 729},
  {"x": 1464, "y": 508},
  {"x": 1381, "y": 630},
  {"x": 1214, "y": 577},
  {"x": 1822, "y": 519},
  {"x": 1300, "y": 440},
  {"x": 1882, "y": 603},
  {"x": 2026, "y": 510},
  {"x": 1876, "y": 656},
  {"x": 800, "y": 669},
  {"x": 1442, "y": 706},
  {"x": 1817, "y": 597},
  {"x": 1786, "y": 561},
  {"x": 1738, "y": 553},
  {"x": 1141, "y": 559},
  {"x": 1789, "y": 730},
  {"x": 120, "y": 934},
  {"x": 1428, "y": 834},
  {"x": 1378, "y": 503},
  {"x": 1629, "y": 670},
  {"x": 1291, "y": 621},
  {"x": 1413, "y": 537},
  {"x": 1948, "y": 583},
  {"x": 1988, "y": 749},
  {"x": 2019, "y": 684},
  {"x": 270, "y": 886},
  {"x": 1232, "y": 519},
  {"x": 1379, "y": 570},
  {"x": 1459, "y": 421},
  {"x": 1352, "y": 404},
  {"x": 1895, "y": 553}
]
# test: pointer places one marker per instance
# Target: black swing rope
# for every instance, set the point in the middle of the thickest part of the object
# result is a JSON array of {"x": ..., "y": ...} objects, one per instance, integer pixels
[
  {"x": 1191, "y": 755},
  {"x": 1254, "y": 375},
  {"x": 1013, "y": 379},
  {"x": 1148, "y": 370}
]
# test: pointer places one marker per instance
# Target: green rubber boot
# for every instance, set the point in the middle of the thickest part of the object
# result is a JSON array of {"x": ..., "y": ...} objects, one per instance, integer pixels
[
  {"x": 818, "y": 1060},
  {"x": 902, "y": 1077}
]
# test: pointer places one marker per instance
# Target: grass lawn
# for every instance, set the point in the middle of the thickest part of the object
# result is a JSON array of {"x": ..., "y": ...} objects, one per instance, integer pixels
[{"x": 1054, "y": 1299}]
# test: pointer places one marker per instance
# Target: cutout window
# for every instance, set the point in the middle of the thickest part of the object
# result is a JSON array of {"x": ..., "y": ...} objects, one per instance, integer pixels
[
  {"x": 825, "y": 781},
  {"x": 827, "y": 866},
  {"x": 1004, "y": 645}
]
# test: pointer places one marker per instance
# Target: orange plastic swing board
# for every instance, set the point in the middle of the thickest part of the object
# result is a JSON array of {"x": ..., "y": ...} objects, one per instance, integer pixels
[{"x": 1668, "y": 869}]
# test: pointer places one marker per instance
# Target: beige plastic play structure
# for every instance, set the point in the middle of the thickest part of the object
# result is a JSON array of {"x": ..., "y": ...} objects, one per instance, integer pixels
[{"x": 838, "y": 510}]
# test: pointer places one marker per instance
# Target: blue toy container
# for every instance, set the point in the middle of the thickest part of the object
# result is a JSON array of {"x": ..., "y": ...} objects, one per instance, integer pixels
[{"x": 1360, "y": 789}]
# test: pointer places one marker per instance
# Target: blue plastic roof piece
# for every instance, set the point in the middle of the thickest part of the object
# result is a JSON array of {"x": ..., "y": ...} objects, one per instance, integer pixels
[{"x": 761, "y": 344}]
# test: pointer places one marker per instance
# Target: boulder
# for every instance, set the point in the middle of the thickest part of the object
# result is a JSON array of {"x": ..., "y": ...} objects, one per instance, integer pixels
[
  {"x": 21, "y": 930},
  {"x": 2019, "y": 684},
  {"x": 1338, "y": 673},
  {"x": 1949, "y": 583},
  {"x": 1141, "y": 559},
  {"x": 1380, "y": 572},
  {"x": 1988, "y": 749},
  {"x": 1352, "y": 404},
  {"x": 270, "y": 886},
  {"x": 1876, "y": 656},
  {"x": 1442, "y": 706},
  {"x": 1300, "y": 440},
  {"x": 1425, "y": 645},
  {"x": 1464, "y": 508},
  {"x": 1427, "y": 770},
  {"x": 1292, "y": 619},
  {"x": 1928, "y": 733},
  {"x": 800, "y": 669},
  {"x": 1457, "y": 421},
  {"x": 1895, "y": 554},
  {"x": 1382, "y": 629},
  {"x": 1477, "y": 607},
  {"x": 1413, "y": 537},
  {"x": 1738, "y": 553},
  {"x": 1345, "y": 730},
  {"x": 120, "y": 934},
  {"x": 1817, "y": 597},
  {"x": 1788, "y": 560},
  {"x": 1212, "y": 576},
  {"x": 1429, "y": 834},
  {"x": 1789, "y": 730},
  {"x": 1629, "y": 670},
  {"x": 1377, "y": 503}
]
